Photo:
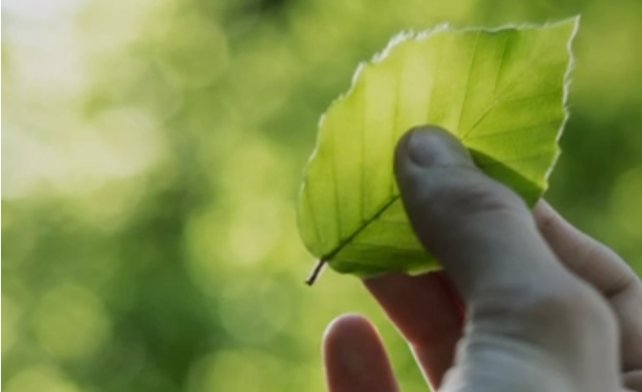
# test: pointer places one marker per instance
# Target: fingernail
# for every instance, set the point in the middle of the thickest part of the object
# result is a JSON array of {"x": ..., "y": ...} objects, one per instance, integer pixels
[{"x": 430, "y": 146}]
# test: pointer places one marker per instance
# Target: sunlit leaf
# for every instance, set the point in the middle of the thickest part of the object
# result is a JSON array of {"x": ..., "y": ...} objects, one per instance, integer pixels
[{"x": 501, "y": 92}]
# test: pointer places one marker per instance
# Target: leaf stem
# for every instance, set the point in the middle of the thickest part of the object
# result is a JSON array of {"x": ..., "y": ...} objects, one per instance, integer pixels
[{"x": 316, "y": 272}]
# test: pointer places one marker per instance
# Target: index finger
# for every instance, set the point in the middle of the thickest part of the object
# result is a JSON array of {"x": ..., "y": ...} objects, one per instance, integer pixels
[{"x": 605, "y": 270}]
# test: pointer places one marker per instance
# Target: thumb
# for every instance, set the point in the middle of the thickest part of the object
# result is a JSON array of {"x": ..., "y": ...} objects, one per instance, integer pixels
[
  {"x": 529, "y": 317},
  {"x": 482, "y": 233}
]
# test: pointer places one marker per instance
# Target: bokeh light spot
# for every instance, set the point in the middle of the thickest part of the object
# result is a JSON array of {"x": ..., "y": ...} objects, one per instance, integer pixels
[
  {"x": 11, "y": 320},
  {"x": 254, "y": 311},
  {"x": 70, "y": 322},
  {"x": 39, "y": 379},
  {"x": 232, "y": 371},
  {"x": 193, "y": 50},
  {"x": 254, "y": 230},
  {"x": 626, "y": 202}
]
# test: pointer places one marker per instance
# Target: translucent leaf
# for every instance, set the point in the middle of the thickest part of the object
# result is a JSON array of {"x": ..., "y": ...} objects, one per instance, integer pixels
[{"x": 501, "y": 92}]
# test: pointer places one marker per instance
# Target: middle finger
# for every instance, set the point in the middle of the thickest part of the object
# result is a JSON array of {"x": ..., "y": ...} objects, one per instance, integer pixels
[{"x": 429, "y": 314}]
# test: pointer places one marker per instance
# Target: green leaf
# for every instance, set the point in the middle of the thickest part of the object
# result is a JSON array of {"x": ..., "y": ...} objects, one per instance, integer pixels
[{"x": 501, "y": 92}]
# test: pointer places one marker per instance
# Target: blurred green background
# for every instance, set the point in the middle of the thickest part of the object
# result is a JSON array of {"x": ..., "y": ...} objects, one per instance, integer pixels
[{"x": 151, "y": 154}]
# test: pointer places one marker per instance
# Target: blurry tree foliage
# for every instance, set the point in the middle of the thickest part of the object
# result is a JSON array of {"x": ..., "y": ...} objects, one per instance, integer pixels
[{"x": 151, "y": 155}]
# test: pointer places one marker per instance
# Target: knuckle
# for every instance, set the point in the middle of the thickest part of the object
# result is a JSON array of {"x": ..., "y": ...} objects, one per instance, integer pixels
[
  {"x": 621, "y": 276},
  {"x": 546, "y": 221},
  {"x": 567, "y": 305},
  {"x": 573, "y": 302}
]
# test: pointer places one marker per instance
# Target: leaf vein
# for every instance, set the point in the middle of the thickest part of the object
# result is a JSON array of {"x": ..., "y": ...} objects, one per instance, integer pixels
[
  {"x": 496, "y": 103},
  {"x": 346, "y": 241},
  {"x": 335, "y": 181},
  {"x": 467, "y": 87},
  {"x": 313, "y": 216},
  {"x": 511, "y": 130},
  {"x": 500, "y": 67},
  {"x": 363, "y": 104},
  {"x": 515, "y": 159}
]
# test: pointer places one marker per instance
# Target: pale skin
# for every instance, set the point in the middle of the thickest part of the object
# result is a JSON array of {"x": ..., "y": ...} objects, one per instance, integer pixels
[{"x": 525, "y": 301}]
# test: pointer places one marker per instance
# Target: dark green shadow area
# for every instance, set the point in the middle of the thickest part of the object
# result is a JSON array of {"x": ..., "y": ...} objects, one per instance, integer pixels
[{"x": 527, "y": 189}]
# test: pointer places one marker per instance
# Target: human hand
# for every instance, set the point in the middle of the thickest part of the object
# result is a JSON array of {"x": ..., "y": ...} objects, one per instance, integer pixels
[{"x": 525, "y": 301}]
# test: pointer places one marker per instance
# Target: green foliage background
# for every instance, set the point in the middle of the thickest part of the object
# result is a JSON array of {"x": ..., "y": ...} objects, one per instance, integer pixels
[{"x": 152, "y": 151}]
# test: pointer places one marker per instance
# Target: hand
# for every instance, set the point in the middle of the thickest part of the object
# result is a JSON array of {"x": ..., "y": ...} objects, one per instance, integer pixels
[{"x": 525, "y": 301}]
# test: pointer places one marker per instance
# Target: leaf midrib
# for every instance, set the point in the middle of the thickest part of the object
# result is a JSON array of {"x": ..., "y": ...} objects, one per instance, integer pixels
[{"x": 345, "y": 242}]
